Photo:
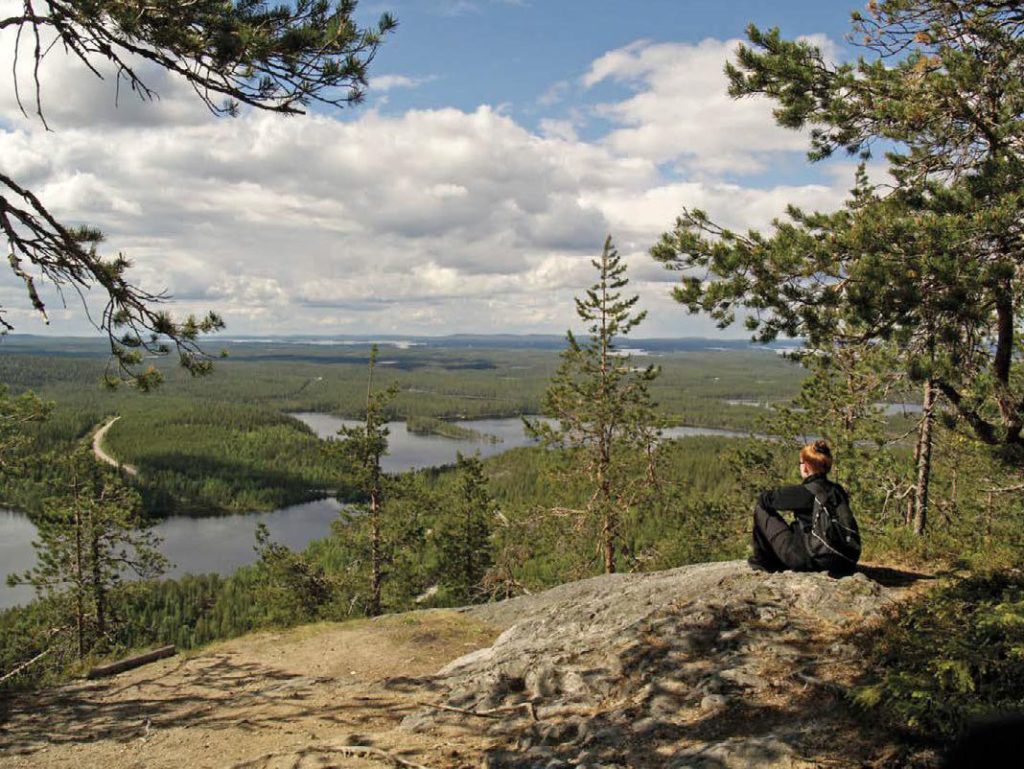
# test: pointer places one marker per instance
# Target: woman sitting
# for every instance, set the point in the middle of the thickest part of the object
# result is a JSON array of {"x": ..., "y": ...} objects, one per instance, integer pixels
[{"x": 798, "y": 546}]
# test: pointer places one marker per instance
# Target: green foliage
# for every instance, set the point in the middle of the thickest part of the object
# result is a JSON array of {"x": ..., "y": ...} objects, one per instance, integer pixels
[
  {"x": 931, "y": 266},
  {"x": 701, "y": 513},
  {"x": 839, "y": 401},
  {"x": 432, "y": 426},
  {"x": 15, "y": 414},
  {"x": 90, "y": 533},
  {"x": 953, "y": 655},
  {"x": 603, "y": 408},
  {"x": 221, "y": 445},
  {"x": 293, "y": 589},
  {"x": 462, "y": 533},
  {"x": 360, "y": 450},
  {"x": 211, "y": 458}
]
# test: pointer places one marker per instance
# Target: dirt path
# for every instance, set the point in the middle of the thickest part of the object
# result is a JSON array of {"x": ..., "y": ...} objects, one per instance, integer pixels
[
  {"x": 103, "y": 456},
  {"x": 296, "y": 698}
]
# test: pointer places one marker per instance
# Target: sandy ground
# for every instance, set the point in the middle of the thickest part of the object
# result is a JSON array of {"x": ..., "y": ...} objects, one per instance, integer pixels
[{"x": 290, "y": 699}]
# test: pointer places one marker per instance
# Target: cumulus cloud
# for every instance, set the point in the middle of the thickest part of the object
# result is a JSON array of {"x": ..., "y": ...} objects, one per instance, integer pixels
[
  {"x": 433, "y": 221},
  {"x": 680, "y": 111}
]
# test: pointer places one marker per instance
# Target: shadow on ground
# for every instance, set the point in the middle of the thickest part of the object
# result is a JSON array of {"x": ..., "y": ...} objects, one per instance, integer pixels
[
  {"x": 210, "y": 692},
  {"x": 889, "y": 577}
]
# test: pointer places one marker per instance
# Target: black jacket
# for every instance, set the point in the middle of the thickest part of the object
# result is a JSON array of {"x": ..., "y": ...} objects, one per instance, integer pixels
[{"x": 800, "y": 499}]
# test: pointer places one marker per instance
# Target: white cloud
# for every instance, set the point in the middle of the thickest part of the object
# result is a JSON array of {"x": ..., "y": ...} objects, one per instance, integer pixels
[
  {"x": 680, "y": 110},
  {"x": 558, "y": 129},
  {"x": 433, "y": 221},
  {"x": 555, "y": 93},
  {"x": 386, "y": 83}
]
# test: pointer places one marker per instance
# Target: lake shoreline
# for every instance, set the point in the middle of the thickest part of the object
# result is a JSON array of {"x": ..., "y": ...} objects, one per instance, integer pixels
[{"x": 223, "y": 542}]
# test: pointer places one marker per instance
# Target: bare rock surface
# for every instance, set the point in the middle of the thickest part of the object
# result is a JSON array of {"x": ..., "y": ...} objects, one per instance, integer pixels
[
  {"x": 709, "y": 666},
  {"x": 657, "y": 669}
]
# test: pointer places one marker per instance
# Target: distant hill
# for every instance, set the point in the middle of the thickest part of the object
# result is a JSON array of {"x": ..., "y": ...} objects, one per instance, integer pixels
[{"x": 92, "y": 345}]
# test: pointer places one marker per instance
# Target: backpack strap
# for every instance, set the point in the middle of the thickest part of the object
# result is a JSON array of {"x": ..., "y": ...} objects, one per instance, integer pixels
[{"x": 820, "y": 491}]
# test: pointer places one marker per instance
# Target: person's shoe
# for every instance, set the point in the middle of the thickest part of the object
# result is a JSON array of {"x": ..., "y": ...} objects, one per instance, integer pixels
[{"x": 756, "y": 565}]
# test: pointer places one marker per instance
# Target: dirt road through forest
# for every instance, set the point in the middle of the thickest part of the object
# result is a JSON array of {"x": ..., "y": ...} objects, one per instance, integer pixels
[{"x": 103, "y": 456}]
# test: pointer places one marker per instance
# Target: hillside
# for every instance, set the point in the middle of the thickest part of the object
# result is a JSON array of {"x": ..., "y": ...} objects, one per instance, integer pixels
[{"x": 708, "y": 665}]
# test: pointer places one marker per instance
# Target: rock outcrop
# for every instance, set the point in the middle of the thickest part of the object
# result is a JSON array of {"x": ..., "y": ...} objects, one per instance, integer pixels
[
  {"x": 699, "y": 666},
  {"x": 709, "y": 666}
]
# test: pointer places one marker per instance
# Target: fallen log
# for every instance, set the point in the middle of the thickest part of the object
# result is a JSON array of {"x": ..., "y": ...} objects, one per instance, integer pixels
[{"x": 129, "y": 663}]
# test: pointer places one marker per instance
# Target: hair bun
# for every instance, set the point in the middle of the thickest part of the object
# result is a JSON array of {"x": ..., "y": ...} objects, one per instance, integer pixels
[{"x": 822, "y": 447}]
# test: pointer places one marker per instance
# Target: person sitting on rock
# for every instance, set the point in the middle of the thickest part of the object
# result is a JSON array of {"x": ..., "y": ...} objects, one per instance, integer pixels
[{"x": 779, "y": 545}]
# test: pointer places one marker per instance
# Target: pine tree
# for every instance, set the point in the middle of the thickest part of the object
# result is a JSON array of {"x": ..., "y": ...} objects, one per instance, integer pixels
[
  {"x": 603, "y": 409},
  {"x": 293, "y": 588},
  {"x": 89, "y": 537},
  {"x": 361, "y": 450},
  {"x": 463, "y": 532},
  {"x": 14, "y": 414},
  {"x": 933, "y": 265}
]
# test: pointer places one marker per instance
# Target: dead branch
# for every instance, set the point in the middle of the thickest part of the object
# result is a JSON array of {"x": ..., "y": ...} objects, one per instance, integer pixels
[
  {"x": 26, "y": 664},
  {"x": 1006, "y": 489}
]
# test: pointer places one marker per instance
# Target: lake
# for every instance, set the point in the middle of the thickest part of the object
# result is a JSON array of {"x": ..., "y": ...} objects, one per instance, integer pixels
[
  {"x": 411, "y": 451},
  {"x": 193, "y": 545},
  {"x": 222, "y": 544}
]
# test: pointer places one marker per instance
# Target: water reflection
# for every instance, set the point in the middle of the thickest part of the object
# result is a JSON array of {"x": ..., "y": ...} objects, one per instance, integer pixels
[{"x": 16, "y": 555}]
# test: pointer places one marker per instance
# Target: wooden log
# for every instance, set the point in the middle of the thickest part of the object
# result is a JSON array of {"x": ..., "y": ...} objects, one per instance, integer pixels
[{"x": 132, "y": 662}]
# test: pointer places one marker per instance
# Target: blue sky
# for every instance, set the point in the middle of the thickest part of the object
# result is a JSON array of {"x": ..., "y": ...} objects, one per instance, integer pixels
[
  {"x": 499, "y": 143},
  {"x": 497, "y": 51}
]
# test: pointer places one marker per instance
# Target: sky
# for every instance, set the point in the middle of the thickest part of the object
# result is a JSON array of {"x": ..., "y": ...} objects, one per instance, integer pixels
[{"x": 499, "y": 143}]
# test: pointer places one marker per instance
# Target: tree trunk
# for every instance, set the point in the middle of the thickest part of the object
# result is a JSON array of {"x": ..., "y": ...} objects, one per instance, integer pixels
[
  {"x": 376, "y": 556},
  {"x": 98, "y": 591},
  {"x": 924, "y": 459},
  {"x": 1009, "y": 408},
  {"x": 608, "y": 534},
  {"x": 80, "y": 586},
  {"x": 607, "y": 512},
  {"x": 467, "y": 551}
]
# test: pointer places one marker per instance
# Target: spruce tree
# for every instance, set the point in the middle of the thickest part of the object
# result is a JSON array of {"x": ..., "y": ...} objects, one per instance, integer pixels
[{"x": 602, "y": 410}]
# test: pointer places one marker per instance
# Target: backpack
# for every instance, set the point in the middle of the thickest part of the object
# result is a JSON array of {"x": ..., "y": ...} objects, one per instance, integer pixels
[{"x": 834, "y": 539}]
